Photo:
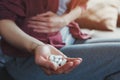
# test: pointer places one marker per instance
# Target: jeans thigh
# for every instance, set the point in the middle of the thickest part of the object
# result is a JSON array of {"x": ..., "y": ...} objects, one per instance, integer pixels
[{"x": 99, "y": 61}]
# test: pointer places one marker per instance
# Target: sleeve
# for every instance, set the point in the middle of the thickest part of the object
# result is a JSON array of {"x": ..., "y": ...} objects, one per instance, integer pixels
[{"x": 10, "y": 9}]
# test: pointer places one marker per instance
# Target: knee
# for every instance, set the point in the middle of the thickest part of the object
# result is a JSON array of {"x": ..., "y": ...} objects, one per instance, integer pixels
[{"x": 115, "y": 76}]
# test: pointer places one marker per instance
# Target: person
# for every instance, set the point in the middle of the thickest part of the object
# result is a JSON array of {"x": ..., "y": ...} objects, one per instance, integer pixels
[
  {"x": 35, "y": 19},
  {"x": 3, "y": 24},
  {"x": 25, "y": 42}
]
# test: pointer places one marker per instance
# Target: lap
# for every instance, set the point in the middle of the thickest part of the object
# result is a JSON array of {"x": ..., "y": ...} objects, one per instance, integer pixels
[
  {"x": 99, "y": 60},
  {"x": 114, "y": 76},
  {"x": 97, "y": 40}
]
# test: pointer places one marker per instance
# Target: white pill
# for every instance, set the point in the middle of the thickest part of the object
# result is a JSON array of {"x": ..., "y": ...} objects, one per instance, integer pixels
[
  {"x": 55, "y": 64},
  {"x": 58, "y": 56},
  {"x": 57, "y": 60},
  {"x": 63, "y": 62},
  {"x": 52, "y": 57}
]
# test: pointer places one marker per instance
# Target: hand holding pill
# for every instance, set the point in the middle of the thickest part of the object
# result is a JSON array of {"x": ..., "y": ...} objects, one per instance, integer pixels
[
  {"x": 57, "y": 60},
  {"x": 52, "y": 61}
]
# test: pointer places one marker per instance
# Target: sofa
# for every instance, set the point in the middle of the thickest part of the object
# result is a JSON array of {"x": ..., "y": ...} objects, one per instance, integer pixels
[{"x": 100, "y": 29}]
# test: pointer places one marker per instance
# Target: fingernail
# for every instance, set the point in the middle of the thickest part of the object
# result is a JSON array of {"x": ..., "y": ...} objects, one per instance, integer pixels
[
  {"x": 71, "y": 64},
  {"x": 80, "y": 59}
]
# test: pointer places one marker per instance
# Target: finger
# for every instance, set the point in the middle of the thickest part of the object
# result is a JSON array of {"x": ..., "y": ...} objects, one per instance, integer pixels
[
  {"x": 47, "y": 30},
  {"x": 38, "y": 27},
  {"x": 76, "y": 63},
  {"x": 73, "y": 59},
  {"x": 42, "y": 23},
  {"x": 67, "y": 67},
  {"x": 42, "y": 19},
  {"x": 45, "y": 63},
  {"x": 49, "y": 13},
  {"x": 73, "y": 23},
  {"x": 38, "y": 23},
  {"x": 41, "y": 31}
]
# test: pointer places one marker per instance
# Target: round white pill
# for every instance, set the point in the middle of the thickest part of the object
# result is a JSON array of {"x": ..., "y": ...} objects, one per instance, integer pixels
[{"x": 57, "y": 60}]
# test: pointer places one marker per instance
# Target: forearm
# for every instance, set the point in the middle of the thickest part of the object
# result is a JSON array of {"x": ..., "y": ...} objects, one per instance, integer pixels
[
  {"x": 15, "y": 36},
  {"x": 73, "y": 14}
]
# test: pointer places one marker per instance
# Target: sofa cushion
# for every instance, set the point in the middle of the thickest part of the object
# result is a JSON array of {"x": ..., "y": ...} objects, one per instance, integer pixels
[
  {"x": 103, "y": 34},
  {"x": 98, "y": 36},
  {"x": 100, "y": 14}
]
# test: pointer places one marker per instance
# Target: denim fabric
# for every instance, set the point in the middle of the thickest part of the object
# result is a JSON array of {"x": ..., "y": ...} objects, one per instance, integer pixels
[
  {"x": 114, "y": 76},
  {"x": 2, "y": 58},
  {"x": 99, "y": 61}
]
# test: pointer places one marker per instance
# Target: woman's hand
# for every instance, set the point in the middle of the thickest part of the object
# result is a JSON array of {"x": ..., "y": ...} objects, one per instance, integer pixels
[
  {"x": 42, "y": 54},
  {"x": 47, "y": 22}
]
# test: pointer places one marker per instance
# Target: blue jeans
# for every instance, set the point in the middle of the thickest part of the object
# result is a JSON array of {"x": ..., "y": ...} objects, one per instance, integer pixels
[{"x": 99, "y": 61}]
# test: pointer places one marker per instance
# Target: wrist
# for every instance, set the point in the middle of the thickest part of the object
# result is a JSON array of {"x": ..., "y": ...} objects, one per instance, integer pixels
[
  {"x": 34, "y": 46},
  {"x": 73, "y": 14},
  {"x": 83, "y": 8},
  {"x": 66, "y": 19}
]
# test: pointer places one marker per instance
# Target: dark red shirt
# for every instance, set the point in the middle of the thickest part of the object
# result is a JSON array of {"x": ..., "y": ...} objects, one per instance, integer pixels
[{"x": 20, "y": 10}]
